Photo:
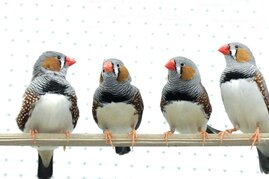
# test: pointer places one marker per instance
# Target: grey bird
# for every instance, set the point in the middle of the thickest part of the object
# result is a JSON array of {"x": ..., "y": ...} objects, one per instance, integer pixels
[
  {"x": 245, "y": 96},
  {"x": 49, "y": 105},
  {"x": 117, "y": 104},
  {"x": 185, "y": 103}
]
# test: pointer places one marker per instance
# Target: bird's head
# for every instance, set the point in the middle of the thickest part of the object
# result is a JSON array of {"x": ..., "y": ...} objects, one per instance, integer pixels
[
  {"x": 237, "y": 52},
  {"x": 182, "y": 68},
  {"x": 51, "y": 61},
  {"x": 114, "y": 69}
]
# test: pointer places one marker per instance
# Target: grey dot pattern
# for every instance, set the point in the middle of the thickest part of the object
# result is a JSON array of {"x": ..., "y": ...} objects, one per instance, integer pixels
[{"x": 145, "y": 35}]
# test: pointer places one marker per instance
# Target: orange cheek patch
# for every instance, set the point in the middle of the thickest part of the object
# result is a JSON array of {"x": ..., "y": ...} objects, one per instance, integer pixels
[
  {"x": 123, "y": 74},
  {"x": 242, "y": 55},
  {"x": 52, "y": 64},
  {"x": 187, "y": 73}
]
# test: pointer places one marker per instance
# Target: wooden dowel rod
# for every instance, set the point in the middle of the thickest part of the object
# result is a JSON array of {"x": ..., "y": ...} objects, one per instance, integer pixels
[{"x": 147, "y": 140}]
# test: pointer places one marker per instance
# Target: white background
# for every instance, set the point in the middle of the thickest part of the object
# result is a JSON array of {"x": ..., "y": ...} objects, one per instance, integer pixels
[{"x": 144, "y": 35}]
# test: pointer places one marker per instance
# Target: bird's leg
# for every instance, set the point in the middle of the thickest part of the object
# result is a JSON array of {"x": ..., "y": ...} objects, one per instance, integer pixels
[
  {"x": 33, "y": 134},
  {"x": 133, "y": 134},
  {"x": 203, "y": 134},
  {"x": 167, "y": 134},
  {"x": 67, "y": 135},
  {"x": 108, "y": 137},
  {"x": 256, "y": 135},
  {"x": 226, "y": 132}
]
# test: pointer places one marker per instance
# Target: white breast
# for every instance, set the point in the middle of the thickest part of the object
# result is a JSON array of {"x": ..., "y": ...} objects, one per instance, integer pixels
[
  {"x": 119, "y": 118},
  {"x": 51, "y": 114},
  {"x": 244, "y": 105},
  {"x": 185, "y": 117}
]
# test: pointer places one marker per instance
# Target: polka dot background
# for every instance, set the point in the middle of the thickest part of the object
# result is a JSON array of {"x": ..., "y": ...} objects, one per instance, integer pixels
[{"x": 144, "y": 35}]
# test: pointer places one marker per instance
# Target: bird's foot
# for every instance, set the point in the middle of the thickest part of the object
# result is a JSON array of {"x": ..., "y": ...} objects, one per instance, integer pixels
[
  {"x": 108, "y": 137},
  {"x": 204, "y": 136},
  {"x": 67, "y": 134},
  {"x": 225, "y": 133},
  {"x": 255, "y": 136},
  {"x": 166, "y": 135},
  {"x": 33, "y": 133},
  {"x": 133, "y": 134}
]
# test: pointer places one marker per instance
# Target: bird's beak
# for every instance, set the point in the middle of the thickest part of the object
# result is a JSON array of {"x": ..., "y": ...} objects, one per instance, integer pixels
[
  {"x": 69, "y": 61},
  {"x": 108, "y": 67},
  {"x": 225, "y": 49},
  {"x": 170, "y": 65}
]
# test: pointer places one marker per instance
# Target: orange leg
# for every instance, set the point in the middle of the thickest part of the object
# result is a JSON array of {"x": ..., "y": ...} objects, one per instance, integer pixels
[
  {"x": 133, "y": 134},
  {"x": 33, "y": 134},
  {"x": 108, "y": 137},
  {"x": 256, "y": 136},
  {"x": 226, "y": 132},
  {"x": 167, "y": 134},
  {"x": 204, "y": 135},
  {"x": 67, "y": 135}
]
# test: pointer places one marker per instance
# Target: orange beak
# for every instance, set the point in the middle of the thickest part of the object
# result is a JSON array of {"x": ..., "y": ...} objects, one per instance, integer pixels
[
  {"x": 170, "y": 65},
  {"x": 69, "y": 61},
  {"x": 225, "y": 49},
  {"x": 108, "y": 67}
]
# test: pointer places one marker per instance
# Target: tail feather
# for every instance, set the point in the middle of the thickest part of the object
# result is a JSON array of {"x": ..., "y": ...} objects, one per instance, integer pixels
[
  {"x": 264, "y": 162},
  {"x": 122, "y": 150},
  {"x": 211, "y": 130},
  {"x": 44, "y": 172}
]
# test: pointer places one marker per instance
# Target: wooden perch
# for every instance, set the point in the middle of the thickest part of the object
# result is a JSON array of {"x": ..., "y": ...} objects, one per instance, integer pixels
[{"x": 147, "y": 140}]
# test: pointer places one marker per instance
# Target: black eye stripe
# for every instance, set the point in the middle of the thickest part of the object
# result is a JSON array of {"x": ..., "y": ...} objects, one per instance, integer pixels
[
  {"x": 234, "y": 51},
  {"x": 61, "y": 61},
  {"x": 181, "y": 68}
]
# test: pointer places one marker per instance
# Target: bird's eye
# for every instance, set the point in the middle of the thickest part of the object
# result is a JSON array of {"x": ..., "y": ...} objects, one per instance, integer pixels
[
  {"x": 182, "y": 64},
  {"x": 236, "y": 46},
  {"x": 118, "y": 65},
  {"x": 59, "y": 57}
]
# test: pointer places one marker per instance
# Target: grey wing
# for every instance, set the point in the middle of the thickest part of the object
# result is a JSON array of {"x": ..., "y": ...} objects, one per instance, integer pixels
[{"x": 163, "y": 103}]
